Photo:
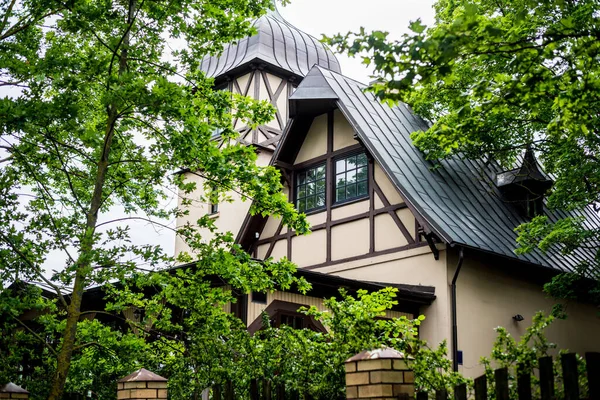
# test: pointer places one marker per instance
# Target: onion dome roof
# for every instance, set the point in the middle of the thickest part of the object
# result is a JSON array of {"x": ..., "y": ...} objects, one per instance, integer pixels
[{"x": 276, "y": 43}]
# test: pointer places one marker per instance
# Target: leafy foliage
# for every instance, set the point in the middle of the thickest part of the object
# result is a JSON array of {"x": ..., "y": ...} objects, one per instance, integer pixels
[
  {"x": 100, "y": 110},
  {"x": 522, "y": 357},
  {"x": 313, "y": 362},
  {"x": 496, "y": 78}
]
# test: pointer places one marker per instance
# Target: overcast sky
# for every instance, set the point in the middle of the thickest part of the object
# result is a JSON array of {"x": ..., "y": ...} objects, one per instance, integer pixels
[
  {"x": 329, "y": 17},
  {"x": 316, "y": 17}
]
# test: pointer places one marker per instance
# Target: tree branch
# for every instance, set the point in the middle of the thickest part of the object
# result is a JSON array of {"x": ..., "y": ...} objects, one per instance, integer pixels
[
  {"x": 34, "y": 267},
  {"x": 44, "y": 342}
]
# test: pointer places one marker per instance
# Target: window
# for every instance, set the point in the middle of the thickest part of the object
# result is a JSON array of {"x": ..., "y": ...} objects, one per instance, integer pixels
[
  {"x": 296, "y": 321},
  {"x": 351, "y": 178},
  {"x": 310, "y": 189},
  {"x": 259, "y": 297},
  {"x": 214, "y": 208}
]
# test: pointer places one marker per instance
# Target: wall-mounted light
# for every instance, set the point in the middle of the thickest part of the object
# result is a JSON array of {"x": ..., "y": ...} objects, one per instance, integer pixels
[{"x": 518, "y": 318}]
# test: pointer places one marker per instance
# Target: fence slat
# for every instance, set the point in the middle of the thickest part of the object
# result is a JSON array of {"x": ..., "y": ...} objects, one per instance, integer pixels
[
  {"x": 570, "y": 376},
  {"x": 266, "y": 389},
  {"x": 546, "y": 378},
  {"x": 254, "y": 390},
  {"x": 481, "y": 388},
  {"x": 460, "y": 392},
  {"x": 280, "y": 392},
  {"x": 501, "y": 378},
  {"x": 229, "y": 390},
  {"x": 217, "y": 392},
  {"x": 441, "y": 394},
  {"x": 523, "y": 383},
  {"x": 592, "y": 361},
  {"x": 422, "y": 396}
]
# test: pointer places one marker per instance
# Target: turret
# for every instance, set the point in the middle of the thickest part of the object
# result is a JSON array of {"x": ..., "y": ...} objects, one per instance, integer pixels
[
  {"x": 268, "y": 66},
  {"x": 526, "y": 185}
]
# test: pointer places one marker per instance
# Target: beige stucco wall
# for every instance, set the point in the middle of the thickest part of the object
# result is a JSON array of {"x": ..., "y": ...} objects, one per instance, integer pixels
[
  {"x": 414, "y": 267},
  {"x": 343, "y": 133},
  {"x": 315, "y": 142},
  {"x": 231, "y": 213},
  {"x": 309, "y": 249},
  {"x": 491, "y": 290}
]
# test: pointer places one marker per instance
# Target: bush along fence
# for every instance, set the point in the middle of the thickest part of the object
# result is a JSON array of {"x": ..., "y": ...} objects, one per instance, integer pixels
[
  {"x": 381, "y": 374},
  {"x": 502, "y": 389}
]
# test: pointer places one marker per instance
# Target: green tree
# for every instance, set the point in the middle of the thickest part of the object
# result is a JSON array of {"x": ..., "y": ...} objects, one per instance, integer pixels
[
  {"x": 496, "y": 78},
  {"x": 314, "y": 362},
  {"x": 99, "y": 113}
]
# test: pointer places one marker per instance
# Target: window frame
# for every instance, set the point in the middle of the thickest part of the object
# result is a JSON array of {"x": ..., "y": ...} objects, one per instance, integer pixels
[
  {"x": 297, "y": 185},
  {"x": 213, "y": 208},
  {"x": 334, "y": 187}
]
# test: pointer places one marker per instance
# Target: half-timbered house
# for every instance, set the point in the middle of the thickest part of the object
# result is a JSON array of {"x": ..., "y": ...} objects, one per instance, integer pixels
[{"x": 381, "y": 214}]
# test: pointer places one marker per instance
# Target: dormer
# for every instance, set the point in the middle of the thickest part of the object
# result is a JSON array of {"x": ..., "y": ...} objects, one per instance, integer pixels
[{"x": 525, "y": 186}]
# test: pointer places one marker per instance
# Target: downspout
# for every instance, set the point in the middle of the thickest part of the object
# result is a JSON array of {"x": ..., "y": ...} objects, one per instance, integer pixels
[{"x": 453, "y": 305}]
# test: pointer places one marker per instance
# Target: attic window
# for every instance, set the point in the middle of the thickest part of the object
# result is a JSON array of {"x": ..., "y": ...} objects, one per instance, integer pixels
[
  {"x": 351, "y": 178},
  {"x": 310, "y": 189}
]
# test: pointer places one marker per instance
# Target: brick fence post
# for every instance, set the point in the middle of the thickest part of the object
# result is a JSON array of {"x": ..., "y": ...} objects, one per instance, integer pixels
[
  {"x": 142, "y": 385},
  {"x": 379, "y": 374},
  {"x": 12, "y": 391}
]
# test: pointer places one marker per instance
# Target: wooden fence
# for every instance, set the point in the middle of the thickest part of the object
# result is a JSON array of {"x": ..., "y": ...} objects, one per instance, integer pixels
[
  {"x": 262, "y": 390},
  {"x": 501, "y": 384}
]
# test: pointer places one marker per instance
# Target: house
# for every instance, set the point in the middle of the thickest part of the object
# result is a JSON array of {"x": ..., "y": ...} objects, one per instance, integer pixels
[{"x": 381, "y": 213}]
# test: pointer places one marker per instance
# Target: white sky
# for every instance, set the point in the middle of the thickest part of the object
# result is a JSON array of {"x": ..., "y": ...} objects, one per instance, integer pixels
[
  {"x": 318, "y": 17},
  {"x": 315, "y": 17}
]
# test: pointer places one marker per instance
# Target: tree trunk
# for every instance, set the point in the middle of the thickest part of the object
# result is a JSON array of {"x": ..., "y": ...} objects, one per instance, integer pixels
[{"x": 87, "y": 242}]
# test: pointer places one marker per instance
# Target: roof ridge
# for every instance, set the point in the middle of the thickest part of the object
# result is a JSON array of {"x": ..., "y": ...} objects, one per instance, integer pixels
[{"x": 359, "y": 83}]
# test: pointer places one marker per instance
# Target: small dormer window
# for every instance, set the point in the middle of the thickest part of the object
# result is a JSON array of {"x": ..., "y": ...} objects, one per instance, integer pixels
[
  {"x": 534, "y": 205},
  {"x": 525, "y": 186}
]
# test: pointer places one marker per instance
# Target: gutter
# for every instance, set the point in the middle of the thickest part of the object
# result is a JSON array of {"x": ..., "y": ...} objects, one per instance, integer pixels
[{"x": 453, "y": 306}]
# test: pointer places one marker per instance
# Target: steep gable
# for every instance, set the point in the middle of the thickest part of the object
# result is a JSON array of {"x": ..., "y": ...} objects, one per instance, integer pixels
[
  {"x": 458, "y": 200},
  {"x": 361, "y": 214}
]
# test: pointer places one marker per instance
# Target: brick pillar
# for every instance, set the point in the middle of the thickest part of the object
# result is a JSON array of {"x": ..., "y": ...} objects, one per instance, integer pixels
[
  {"x": 12, "y": 391},
  {"x": 379, "y": 374},
  {"x": 142, "y": 385}
]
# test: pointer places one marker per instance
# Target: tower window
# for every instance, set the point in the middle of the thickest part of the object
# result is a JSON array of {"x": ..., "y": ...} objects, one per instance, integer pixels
[{"x": 214, "y": 208}]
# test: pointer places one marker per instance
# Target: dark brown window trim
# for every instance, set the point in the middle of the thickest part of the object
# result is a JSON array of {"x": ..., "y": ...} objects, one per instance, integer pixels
[
  {"x": 314, "y": 211},
  {"x": 323, "y": 160},
  {"x": 335, "y": 172},
  {"x": 350, "y": 201}
]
